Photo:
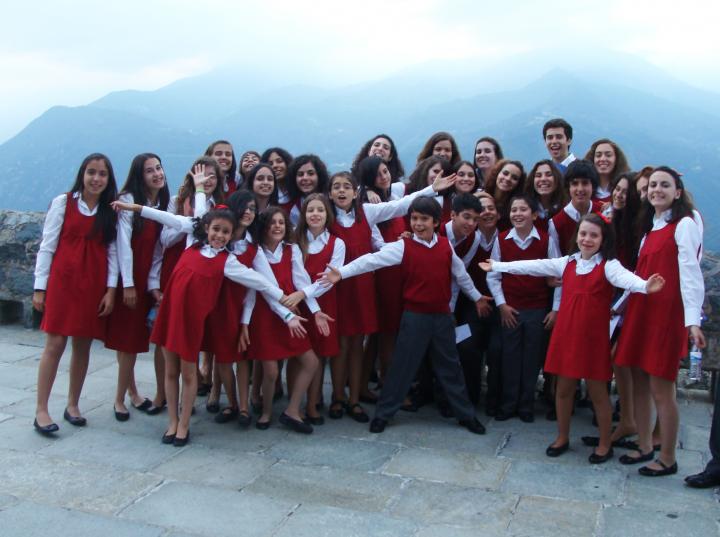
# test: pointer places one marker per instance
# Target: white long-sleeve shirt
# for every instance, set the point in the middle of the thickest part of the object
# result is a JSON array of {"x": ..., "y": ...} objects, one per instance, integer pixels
[
  {"x": 52, "y": 230},
  {"x": 125, "y": 252},
  {"x": 337, "y": 258},
  {"x": 301, "y": 279},
  {"x": 494, "y": 279},
  {"x": 170, "y": 236},
  {"x": 392, "y": 254}
]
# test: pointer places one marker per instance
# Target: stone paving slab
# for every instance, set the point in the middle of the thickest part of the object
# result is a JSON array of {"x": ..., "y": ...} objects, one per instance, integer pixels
[
  {"x": 210, "y": 511},
  {"x": 316, "y": 521},
  {"x": 530, "y": 446},
  {"x": 590, "y": 483},
  {"x": 9, "y": 396},
  {"x": 488, "y": 513},
  {"x": 17, "y": 434},
  {"x": 441, "y": 530},
  {"x": 14, "y": 352},
  {"x": 20, "y": 378},
  {"x": 463, "y": 469},
  {"x": 669, "y": 497},
  {"x": 62, "y": 483},
  {"x": 25, "y": 408},
  {"x": 328, "y": 486},
  {"x": 32, "y": 520},
  {"x": 618, "y": 521},
  {"x": 536, "y": 515}
]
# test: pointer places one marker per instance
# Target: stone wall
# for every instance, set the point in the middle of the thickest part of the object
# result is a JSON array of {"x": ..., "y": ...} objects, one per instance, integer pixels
[{"x": 20, "y": 234}]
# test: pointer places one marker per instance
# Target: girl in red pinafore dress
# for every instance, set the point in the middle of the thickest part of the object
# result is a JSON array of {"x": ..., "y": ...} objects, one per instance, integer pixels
[
  {"x": 190, "y": 297},
  {"x": 320, "y": 248},
  {"x": 266, "y": 347},
  {"x": 306, "y": 175},
  {"x": 139, "y": 256},
  {"x": 505, "y": 181},
  {"x": 222, "y": 151},
  {"x": 654, "y": 335},
  {"x": 356, "y": 225},
  {"x": 279, "y": 160},
  {"x": 75, "y": 279},
  {"x": 174, "y": 242},
  {"x": 580, "y": 342},
  {"x": 546, "y": 186}
]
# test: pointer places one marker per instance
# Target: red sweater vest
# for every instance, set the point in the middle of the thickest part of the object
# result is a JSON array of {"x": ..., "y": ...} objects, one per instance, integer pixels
[
  {"x": 566, "y": 227},
  {"x": 524, "y": 292},
  {"x": 428, "y": 272}
]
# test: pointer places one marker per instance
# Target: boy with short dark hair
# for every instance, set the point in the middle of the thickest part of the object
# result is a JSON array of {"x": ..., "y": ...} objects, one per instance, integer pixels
[
  {"x": 558, "y": 134},
  {"x": 429, "y": 264}
]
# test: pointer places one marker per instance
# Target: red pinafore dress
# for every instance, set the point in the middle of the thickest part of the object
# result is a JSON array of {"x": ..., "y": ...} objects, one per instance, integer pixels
[
  {"x": 270, "y": 339},
  {"x": 190, "y": 297},
  {"x": 222, "y": 328},
  {"x": 580, "y": 342},
  {"x": 654, "y": 337},
  {"x": 389, "y": 282},
  {"x": 315, "y": 264},
  {"x": 127, "y": 328},
  {"x": 78, "y": 278},
  {"x": 357, "y": 307}
]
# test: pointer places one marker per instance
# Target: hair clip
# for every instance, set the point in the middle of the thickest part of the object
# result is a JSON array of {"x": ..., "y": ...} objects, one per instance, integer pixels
[{"x": 221, "y": 206}]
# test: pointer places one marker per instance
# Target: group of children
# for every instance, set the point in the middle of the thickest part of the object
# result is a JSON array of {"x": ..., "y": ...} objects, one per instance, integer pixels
[{"x": 413, "y": 279}]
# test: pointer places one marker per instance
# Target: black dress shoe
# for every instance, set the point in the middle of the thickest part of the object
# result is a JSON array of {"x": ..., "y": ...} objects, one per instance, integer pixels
[
  {"x": 664, "y": 470},
  {"x": 181, "y": 442},
  {"x": 262, "y": 425},
  {"x": 473, "y": 425},
  {"x": 153, "y": 410},
  {"x": 377, "y": 425},
  {"x": 594, "y": 458},
  {"x": 556, "y": 451},
  {"x": 644, "y": 457},
  {"x": 703, "y": 480},
  {"x": 47, "y": 430},
  {"x": 142, "y": 407},
  {"x": 244, "y": 419},
  {"x": 298, "y": 426},
  {"x": 315, "y": 420},
  {"x": 77, "y": 421},
  {"x": 168, "y": 438},
  {"x": 228, "y": 414},
  {"x": 121, "y": 416},
  {"x": 526, "y": 417}
]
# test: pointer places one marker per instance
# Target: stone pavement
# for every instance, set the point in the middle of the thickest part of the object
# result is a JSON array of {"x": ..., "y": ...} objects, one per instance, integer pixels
[{"x": 424, "y": 477}]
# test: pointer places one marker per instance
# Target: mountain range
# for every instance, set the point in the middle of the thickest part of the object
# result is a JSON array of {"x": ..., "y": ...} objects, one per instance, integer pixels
[{"x": 655, "y": 118}]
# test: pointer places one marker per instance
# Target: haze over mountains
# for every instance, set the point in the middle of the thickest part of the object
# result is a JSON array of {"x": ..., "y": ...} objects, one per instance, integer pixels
[{"x": 655, "y": 119}]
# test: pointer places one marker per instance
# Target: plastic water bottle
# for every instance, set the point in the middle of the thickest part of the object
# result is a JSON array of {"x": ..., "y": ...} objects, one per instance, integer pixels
[
  {"x": 152, "y": 314},
  {"x": 695, "y": 373}
]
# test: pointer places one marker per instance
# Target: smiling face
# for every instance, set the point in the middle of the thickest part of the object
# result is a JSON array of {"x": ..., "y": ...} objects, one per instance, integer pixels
[
  {"x": 307, "y": 179},
  {"x": 544, "y": 180},
  {"x": 153, "y": 175},
  {"x": 248, "y": 162},
  {"x": 223, "y": 154},
  {"x": 316, "y": 216},
  {"x": 95, "y": 178},
  {"x": 508, "y": 178},
  {"x": 443, "y": 149},
  {"x": 380, "y": 147},
  {"x": 219, "y": 231},
  {"x": 662, "y": 191},
  {"x": 464, "y": 223},
  {"x": 248, "y": 216},
  {"x": 423, "y": 225},
  {"x": 342, "y": 193},
  {"x": 264, "y": 183},
  {"x": 521, "y": 216},
  {"x": 604, "y": 159},
  {"x": 487, "y": 221},
  {"x": 433, "y": 172},
  {"x": 589, "y": 239},
  {"x": 642, "y": 187},
  {"x": 383, "y": 180},
  {"x": 278, "y": 166},
  {"x": 558, "y": 145},
  {"x": 580, "y": 191},
  {"x": 619, "y": 194},
  {"x": 465, "y": 182},
  {"x": 485, "y": 157},
  {"x": 276, "y": 230}
]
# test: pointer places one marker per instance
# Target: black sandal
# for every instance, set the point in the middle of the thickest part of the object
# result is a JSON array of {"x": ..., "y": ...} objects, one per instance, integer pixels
[
  {"x": 228, "y": 414},
  {"x": 357, "y": 413},
  {"x": 644, "y": 457},
  {"x": 336, "y": 410},
  {"x": 665, "y": 469}
]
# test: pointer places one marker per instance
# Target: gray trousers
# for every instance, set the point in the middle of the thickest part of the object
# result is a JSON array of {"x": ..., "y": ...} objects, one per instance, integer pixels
[{"x": 418, "y": 333}]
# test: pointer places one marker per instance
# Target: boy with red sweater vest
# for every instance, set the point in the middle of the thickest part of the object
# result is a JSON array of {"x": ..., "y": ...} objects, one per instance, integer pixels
[
  {"x": 581, "y": 180},
  {"x": 523, "y": 303},
  {"x": 429, "y": 264}
]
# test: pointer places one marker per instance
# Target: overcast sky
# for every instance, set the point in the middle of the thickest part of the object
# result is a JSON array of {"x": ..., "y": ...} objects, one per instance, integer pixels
[{"x": 75, "y": 51}]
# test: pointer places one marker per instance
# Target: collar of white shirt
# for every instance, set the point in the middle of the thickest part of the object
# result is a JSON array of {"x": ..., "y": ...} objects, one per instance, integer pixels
[
  {"x": 573, "y": 213},
  {"x": 430, "y": 244},
  {"x": 595, "y": 259},
  {"x": 324, "y": 237},
  {"x": 664, "y": 218},
  {"x": 512, "y": 234}
]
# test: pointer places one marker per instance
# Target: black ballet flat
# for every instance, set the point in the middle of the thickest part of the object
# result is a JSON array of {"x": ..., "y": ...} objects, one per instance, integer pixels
[
  {"x": 244, "y": 419},
  {"x": 298, "y": 426},
  {"x": 121, "y": 416},
  {"x": 644, "y": 457},
  {"x": 181, "y": 442},
  {"x": 142, "y": 407},
  {"x": 665, "y": 469},
  {"x": 46, "y": 430},
  {"x": 315, "y": 420},
  {"x": 77, "y": 421},
  {"x": 594, "y": 458},
  {"x": 168, "y": 438},
  {"x": 556, "y": 451},
  {"x": 154, "y": 410},
  {"x": 262, "y": 425}
]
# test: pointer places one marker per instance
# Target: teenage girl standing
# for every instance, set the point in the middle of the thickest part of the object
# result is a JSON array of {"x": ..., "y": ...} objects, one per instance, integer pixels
[{"x": 75, "y": 279}]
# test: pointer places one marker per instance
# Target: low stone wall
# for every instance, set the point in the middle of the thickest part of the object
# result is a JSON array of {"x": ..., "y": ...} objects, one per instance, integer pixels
[{"x": 20, "y": 234}]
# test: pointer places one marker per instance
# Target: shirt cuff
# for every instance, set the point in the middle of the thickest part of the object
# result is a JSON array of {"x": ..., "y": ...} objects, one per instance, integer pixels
[
  {"x": 692, "y": 317},
  {"x": 40, "y": 284}
]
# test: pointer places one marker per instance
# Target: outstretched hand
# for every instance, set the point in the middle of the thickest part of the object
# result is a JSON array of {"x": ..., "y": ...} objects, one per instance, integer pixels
[
  {"x": 441, "y": 183},
  {"x": 118, "y": 206},
  {"x": 293, "y": 299},
  {"x": 198, "y": 175},
  {"x": 372, "y": 197},
  {"x": 244, "y": 339},
  {"x": 321, "y": 321},
  {"x": 330, "y": 277},
  {"x": 655, "y": 283},
  {"x": 296, "y": 328},
  {"x": 486, "y": 265}
]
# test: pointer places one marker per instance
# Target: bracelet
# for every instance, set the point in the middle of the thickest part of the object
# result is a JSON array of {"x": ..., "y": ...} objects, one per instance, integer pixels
[{"x": 288, "y": 315}]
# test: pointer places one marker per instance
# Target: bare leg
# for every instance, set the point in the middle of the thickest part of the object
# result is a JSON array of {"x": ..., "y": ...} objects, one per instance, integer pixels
[
  {"x": 370, "y": 355},
  {"x": 339, "y": 370},
  {"x": 292, "y": 369},
  {"x": 642, "y": 401},
  {"x": 663, "y": 393},
  {"x": 314, "y": 392},
  {"x": 603, "y": 412},
  {"x": 188, "y": 370},
  {"x": 172, "y": 388},
  {"x": 226, "y": 376},
  {"x": 215, "y": 380},
  {"x": 307, "y": 363},
  {"x": 205, "y": 368},
  {"x": 159, "y": 360},
  {"x": 78, "y": 371},
  {"x": 657, "y": 432},
  {"x": 126, "y": 365},
  {"x": 624, "y": 383},
  {"x": 355, "y": 363},
  {"x": 257, "y": 381},
  {"x": 564, "y": 398},
  {"x": 47, "y": 371},
  {"x": 243, "y": 384},
  {"x": 269, "y": 376}
]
